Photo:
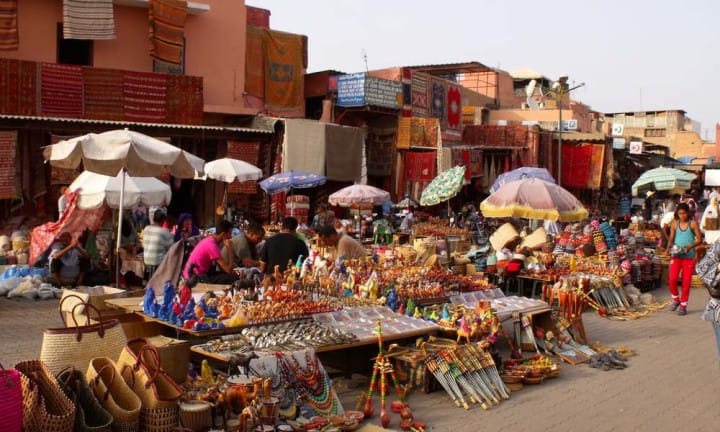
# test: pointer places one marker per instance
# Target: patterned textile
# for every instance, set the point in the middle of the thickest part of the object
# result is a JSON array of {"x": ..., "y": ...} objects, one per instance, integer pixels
[
  {"x": 420, "y": 166},
  {"x": 418, "y": 132},
  {"x": 257, "y": 17},
  {"x": 61, "y": 176},
  {"x": 461, "y": 157},
  {"x": 167, "y": 29},
  {"x": 103, "y": 93},
  {"x": 419, "y": 89},
  {"x": 145, "y": 96},
  {"x": 61, "y": 90},
  {"x": 596, "y": 167},
  {"x": 438, "y": 100},
  {"x": 454, "y": 107},
  {"x": 248, "y": 152},
  {"x": 476, "y": 166},
  {"x": 379, "y": 144},
  {"x": 343, "y": 152},
  {"x": 184, "y": 99},
  {"x": 8, "y": 25},
  {"x": 88, "y": 19},
  {"x": 576, "y": 163},
  {"x": 18, "y": 85},
  {"x": 254, "y": 63},
  {"x": 407, "y": 92},
  {"x": 284, "y": 75},
  {"x": 8, "y": 146},
  {"x": 73, "y": 220}
]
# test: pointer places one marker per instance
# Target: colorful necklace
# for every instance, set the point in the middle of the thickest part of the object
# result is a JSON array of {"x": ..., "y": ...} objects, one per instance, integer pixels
[{"x": 311, "y": 383}]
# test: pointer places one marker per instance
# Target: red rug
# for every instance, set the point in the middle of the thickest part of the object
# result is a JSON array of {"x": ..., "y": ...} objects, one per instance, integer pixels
[
  {"x": 167, "y": 29},
  {"x": 8, "y": 25},
  {"x": 454, "y": 107},
  {"x": 18, "y": 85},
  {"x": 61, "y": 90},
  {"x": 420, "y": 166},
  {"x": 184, "y": 99},
  {"x": 145, "y": 97},
  {"x": 103, "y": 93},
  {"x": 8, "y": 146},
  {"x": 248, "y": 152},
  {"x": 576, "y": 165}
]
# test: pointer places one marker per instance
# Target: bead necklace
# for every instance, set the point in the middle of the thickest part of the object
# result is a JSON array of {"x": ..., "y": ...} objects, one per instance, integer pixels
[{"x": 311, "y": 384}]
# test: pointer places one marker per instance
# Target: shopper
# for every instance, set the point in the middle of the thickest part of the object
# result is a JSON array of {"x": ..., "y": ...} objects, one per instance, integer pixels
[
  {"x": 206, "y": 257},
  {"x": 707, "y": 269},
  {"x": 243, "y": 252},
  {"x": 346, "y": 246},
  {"x": 283, "y": 248},
  {"x": 185, "y": 227},
  {"x": 685, "y": 236},
  {"x": 156, "y": 242}
]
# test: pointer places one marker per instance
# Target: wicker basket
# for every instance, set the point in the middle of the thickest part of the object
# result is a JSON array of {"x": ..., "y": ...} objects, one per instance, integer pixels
[
  {"x": 159, "y": 419},
  {"x": 503, "y": 236},
  {"x": 196, "y": 415}
]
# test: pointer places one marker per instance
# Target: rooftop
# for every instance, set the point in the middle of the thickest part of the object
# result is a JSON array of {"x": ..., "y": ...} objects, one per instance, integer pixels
[
  {"x": 645, "y": 112},
  {"x": 452, "y": 68}
]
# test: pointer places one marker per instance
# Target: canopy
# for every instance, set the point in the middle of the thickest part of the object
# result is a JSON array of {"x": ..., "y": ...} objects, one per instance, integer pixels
[
  {"x": 359, "y": 195},
  {"x": 444, "y": 186},
  {"x": 229, "y": 170},
  {"x": 405, "y": 202},
  {"x": 663, "y": 179},
  {"x": 533, "y": 199},
  {"x": 286, "y": 181},
  {"x": 520, "y": 174},
  {"x": 96, "y": 189}
]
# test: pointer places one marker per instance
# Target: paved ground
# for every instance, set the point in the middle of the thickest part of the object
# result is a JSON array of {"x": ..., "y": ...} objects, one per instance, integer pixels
[{"x": 672, "y": 384}]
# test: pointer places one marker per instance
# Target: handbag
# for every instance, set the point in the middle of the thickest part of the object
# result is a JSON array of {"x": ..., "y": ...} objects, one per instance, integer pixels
[
  {"x": 90, "y": 415},
  {"x": 114, "y": 394},
  {"x": 76, "y": 346},
  {"x": 11, "y": 400},
  {"x": 45, "y": 406},
  {"x": 140, "y": 367}
]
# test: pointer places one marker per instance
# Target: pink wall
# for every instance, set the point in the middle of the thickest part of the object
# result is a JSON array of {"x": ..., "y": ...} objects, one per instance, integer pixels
[{"x": 215, "y": 46}]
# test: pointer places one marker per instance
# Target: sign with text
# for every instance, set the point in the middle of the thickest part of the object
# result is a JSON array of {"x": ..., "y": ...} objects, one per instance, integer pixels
[
  {"x": 351, "y": 90},
  {"x": 383, "y": 93}
]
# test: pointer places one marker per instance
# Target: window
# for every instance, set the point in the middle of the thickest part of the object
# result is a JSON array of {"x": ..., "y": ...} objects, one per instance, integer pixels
[
  {"x": 73, "y": 51},
  {"x": 655, "y": 133}
]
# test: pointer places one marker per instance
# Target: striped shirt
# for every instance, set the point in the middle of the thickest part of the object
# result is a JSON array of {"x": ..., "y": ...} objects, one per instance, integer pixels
[{"x": 156, "y": 241}]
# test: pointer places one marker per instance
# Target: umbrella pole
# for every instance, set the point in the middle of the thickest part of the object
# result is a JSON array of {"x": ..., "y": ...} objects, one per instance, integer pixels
[{"x": 119, "y": 229}]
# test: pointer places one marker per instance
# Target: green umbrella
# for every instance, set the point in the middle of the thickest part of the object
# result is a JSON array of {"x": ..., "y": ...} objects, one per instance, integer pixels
[
  {"x": 663, "y": 179},
  {"x": 444, "y": 186}
]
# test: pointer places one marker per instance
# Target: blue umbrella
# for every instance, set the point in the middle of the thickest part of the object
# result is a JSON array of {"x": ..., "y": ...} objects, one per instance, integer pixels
[
  {"x": 286, "y": 181},
  {"x": 520, "y": 174}
]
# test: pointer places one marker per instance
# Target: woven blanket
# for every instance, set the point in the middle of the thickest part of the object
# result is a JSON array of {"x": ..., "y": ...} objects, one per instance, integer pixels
[
  {"x": 257, "y": 17},
  {"x": 255, "y": 63},
  {"x": 103, "y": 93},
  {"x": 420, "y": 166},
  {"x": 419, "y": 90},
  {"x": 88, "y": 19},
  {"x": 248, "y": 152},
  {"x": 18, "y": 85},
  {"x": 438, "y": 99},
  {"x": 8, "y": 146},
  {"x": 61, "y": 90},
  {"x": 167, "y": 29},
  {"x": 454, "y": 107},
  {"x": 145, "y": 96},
  {"x": 576, "y": 162},
  {"x": 184, "y": 99},
  {"x": 8, "y": 25},
  {"x": 595, "y": 176},
  {"x": 380, "y": 150},
  {"x": 304, "y": 146},
  {"x": 284, "y": 77},
  {"x": 343, "y": 152}
]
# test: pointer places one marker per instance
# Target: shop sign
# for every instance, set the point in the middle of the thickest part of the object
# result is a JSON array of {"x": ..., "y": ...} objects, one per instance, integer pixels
[
  {"x": 636, "y": 147},
  {"x": 619, "y": 143},
  {"x": 383, "y": 93},
  {"x": 351, "y": 90},
  {"x": 618, "y": 129}
]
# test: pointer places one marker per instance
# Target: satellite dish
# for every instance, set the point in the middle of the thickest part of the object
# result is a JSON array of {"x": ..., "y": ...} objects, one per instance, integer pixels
[
  {"x": 530, "y": 89},
  {"x": 533, "y": 104}
]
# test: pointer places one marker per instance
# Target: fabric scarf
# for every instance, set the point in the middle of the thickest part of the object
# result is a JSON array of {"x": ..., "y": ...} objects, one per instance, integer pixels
[
  {"x": 88, "y": 19},
  {"x": 167, "y": 29},
  {"x": 8, "y": 25}
]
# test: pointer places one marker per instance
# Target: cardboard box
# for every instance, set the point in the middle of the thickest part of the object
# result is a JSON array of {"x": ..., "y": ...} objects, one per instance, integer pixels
[{"x": 96, "y": 296}]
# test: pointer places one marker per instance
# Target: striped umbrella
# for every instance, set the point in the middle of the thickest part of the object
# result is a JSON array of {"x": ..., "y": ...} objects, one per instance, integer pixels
[
  {"x": 662, "y": 179},
  {"x": 444, "y": 186}
]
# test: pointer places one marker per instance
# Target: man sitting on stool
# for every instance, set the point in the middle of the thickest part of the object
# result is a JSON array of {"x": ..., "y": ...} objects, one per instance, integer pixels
[
  {"x": 200, "y": 266},
  {"x": 68, "y": 261}
]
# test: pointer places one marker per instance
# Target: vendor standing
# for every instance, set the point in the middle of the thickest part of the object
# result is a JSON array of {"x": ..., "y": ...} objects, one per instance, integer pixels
[
  {"x": 346, "y": 246},
  {"x": 206, "y": 263},
  {"x": 685, "y": 236},
  {"x": 283, "y": 248},
  {"x": 243, "y": 252}
]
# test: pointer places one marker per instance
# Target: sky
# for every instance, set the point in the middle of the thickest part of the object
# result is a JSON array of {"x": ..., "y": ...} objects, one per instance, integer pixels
[{"x": 632, "y": 55}]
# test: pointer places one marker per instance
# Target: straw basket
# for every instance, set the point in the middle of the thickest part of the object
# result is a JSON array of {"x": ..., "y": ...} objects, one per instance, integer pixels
[
  {"x": 503, "y": 236},
  {"x": 536, "y": 240},
  {"x": 45, "y": 406},
  {"x": 90, "y": 416},
  {"x": 11, "y": 400},
  {"x": 159, "y": 419},
  {"x": 196, "y": 415},
  {"x": 114, "y": 394}
]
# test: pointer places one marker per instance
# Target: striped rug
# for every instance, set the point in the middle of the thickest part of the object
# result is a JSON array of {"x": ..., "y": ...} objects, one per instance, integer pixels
[
  {"x": 61, "y": 90},
  {"x": 103, "y": 93},
  {"x": 145, "y": 97},
  {"x": 88, "y": 19},
  {"x": 167, "y": 29},
  {"x": 8, "y": 25}
]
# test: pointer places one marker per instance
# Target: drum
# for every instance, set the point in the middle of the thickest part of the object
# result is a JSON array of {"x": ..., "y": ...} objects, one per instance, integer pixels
[{"x": 269, "y": 411}]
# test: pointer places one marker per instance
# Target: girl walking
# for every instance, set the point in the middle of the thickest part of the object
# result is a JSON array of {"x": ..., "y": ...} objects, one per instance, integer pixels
[{"x": 685, "y": 236}]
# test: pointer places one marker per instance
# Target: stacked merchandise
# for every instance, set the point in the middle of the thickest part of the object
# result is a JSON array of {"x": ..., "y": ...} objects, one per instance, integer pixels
[
  {"x": 298, "y": 206},
  {"x": 610, "y": 236}
]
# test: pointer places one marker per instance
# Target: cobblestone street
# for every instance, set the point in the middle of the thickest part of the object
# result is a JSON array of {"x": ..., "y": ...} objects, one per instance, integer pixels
[{"x": 672, "y": 384}]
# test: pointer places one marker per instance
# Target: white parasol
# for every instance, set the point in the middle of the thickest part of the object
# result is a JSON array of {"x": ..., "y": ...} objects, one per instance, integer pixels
[{"x": 96, "y": 189}]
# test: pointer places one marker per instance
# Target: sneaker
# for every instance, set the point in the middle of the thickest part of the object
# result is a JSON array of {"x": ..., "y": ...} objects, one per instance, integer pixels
[
  {"x": 682, "y": 310},
  {"x": 674, "y": 305}
]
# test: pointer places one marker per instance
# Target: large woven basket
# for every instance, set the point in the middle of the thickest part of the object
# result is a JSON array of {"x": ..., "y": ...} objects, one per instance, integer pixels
[
  {"x": 114, "y": 394},
  {"x": 11, "y": 400},
  {"x": 45, "y": 406},
  {"x": 503, "y": 236}
]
